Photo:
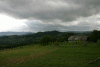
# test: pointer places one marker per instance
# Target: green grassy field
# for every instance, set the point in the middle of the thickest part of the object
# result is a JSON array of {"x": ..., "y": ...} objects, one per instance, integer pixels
[{"x": 64, "y": 55}]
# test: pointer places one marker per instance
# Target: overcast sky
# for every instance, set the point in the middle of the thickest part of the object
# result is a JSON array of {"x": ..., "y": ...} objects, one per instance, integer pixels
[{"x": 48, "y": 15}]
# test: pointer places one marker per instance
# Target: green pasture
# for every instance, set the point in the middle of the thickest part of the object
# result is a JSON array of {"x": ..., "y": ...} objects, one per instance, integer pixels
[{"x": 64, "y": 55}]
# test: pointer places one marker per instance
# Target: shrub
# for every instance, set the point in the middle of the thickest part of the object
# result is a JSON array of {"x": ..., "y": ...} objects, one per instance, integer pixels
[
  {"x": 78, "y": 42},
  {"x": 56, "y": 43}
]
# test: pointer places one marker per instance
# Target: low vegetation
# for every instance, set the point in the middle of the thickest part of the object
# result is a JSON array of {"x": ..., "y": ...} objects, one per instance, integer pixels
[
  {"x": 64, "y": 55},
  {"x": 50, "y": 49}
]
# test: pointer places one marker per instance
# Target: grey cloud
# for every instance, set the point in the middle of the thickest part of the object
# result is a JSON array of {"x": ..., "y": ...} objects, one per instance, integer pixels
[
  {"x": 54, "y": 11},
  {"x": 36, "y": 26},
  {"x": 41, "y": 10}
]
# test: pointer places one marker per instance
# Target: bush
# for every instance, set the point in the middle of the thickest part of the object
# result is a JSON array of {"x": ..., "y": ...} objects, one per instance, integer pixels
[
  {"x": 78, "y": 42},
  {"x": 56, "y": 43}
]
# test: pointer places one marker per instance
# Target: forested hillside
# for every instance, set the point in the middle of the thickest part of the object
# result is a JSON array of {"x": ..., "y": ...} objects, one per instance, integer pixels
[
  {"x": 26, "y": 39},
  {"x": 20, "y": 40}
]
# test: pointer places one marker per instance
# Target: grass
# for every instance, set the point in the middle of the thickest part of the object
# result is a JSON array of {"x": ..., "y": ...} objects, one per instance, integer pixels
[{"x": 64, "y": 55}]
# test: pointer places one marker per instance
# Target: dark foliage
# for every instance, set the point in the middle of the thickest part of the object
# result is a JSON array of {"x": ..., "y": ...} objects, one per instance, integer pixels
[
  {"x": 21, "y": 40},
  {"x": 65, "y": 37},
  {"x": 94, "y": 36},
  {"x": 45, "y": 40}
]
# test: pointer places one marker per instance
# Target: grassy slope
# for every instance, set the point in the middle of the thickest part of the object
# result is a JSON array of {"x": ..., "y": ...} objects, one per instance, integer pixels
[{"x": 66, "y": 55}]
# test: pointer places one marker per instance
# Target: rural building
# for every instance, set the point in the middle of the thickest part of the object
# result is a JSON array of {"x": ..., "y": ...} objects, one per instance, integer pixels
[{"x": 76, "y": 38}]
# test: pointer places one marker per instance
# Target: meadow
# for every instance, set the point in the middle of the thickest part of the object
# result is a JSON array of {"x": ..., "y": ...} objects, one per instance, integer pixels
[{"x": 64, "y": 55}]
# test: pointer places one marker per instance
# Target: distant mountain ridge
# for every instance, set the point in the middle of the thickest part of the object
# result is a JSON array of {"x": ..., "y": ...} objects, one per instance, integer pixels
[
  {"x": 26, "y": 33},
  {"x": 14, "y": 33}
]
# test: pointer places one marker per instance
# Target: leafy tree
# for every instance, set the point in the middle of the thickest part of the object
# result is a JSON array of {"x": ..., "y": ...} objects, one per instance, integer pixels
[
  {"x": 65, "y": 37},
  {"x": 45, "y": 40},
  {"x": 53, "y": 39},
  {"x": 94, "y": 36},
  {"x": 61, "y": 39}
]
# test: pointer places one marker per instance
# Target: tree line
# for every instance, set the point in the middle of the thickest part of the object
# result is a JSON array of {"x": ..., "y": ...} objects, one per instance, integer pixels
[
  {"x": 43, "y": 38},
  {"x": 20, "y": 40}
]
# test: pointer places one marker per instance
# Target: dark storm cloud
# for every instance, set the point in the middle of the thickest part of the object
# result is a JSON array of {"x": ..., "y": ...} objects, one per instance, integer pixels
[
  {"x": 52, "y": 11},
  {"x": 65, "y": 10}
]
